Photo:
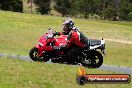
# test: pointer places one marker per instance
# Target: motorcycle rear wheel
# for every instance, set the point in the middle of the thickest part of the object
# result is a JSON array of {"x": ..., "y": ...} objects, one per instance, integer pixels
[{"x": 94, "y": 58}]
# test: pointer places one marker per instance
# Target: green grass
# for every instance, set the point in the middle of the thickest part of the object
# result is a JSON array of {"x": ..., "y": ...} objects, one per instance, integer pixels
[
  {"x": 25, "y": 74},
  {"x": 126, "y": 23},
  {"x": 20, "y": 32},
  {"x": 118, "y": 54}
]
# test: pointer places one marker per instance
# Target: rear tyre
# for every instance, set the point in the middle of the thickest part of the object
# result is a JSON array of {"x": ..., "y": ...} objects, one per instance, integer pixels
[{"x": 93, "y": 59}]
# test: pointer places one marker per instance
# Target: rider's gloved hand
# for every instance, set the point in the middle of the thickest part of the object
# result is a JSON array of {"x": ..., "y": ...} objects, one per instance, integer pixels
[{"x": 56, "y": 33}]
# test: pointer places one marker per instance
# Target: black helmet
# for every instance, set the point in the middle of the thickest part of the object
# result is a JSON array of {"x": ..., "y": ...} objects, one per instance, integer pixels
[{"x": 68, "y": 24}]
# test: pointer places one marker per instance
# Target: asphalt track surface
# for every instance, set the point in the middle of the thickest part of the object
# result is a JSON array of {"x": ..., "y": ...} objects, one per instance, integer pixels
[{"x": 121, "y": 69}]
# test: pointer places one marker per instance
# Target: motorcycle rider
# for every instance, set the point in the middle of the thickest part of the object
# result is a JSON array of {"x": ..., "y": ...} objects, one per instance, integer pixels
[{"x": 74, "y": 35}]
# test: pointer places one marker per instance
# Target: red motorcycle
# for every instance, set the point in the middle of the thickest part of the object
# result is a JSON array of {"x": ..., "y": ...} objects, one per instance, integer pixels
[{"x": 89, "y": 57}]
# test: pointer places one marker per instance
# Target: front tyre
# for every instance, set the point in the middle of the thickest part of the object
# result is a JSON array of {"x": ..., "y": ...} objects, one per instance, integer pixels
[{"x": 34, "y": 54}]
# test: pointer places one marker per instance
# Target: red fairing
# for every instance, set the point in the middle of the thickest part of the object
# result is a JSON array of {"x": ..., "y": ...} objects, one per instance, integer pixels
[
  {"x": 47, "y": 41},
  {"x": 61, "y": 40}
]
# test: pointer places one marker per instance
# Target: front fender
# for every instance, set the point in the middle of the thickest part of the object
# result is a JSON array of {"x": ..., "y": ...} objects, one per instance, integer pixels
[
  {"x": 40, "y": 50},
  {"x": 37, "y": 46}
]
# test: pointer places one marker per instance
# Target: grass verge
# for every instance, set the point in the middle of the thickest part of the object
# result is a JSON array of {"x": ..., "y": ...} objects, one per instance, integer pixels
[{"x": 25, "y": 74}]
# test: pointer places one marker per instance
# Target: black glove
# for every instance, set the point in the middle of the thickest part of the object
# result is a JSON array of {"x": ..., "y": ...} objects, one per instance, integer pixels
[{"x": 57, "y": 33}]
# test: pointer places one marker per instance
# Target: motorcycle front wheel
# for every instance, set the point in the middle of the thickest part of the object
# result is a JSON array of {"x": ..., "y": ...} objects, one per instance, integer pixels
[{"x": 34, "y": 55}]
